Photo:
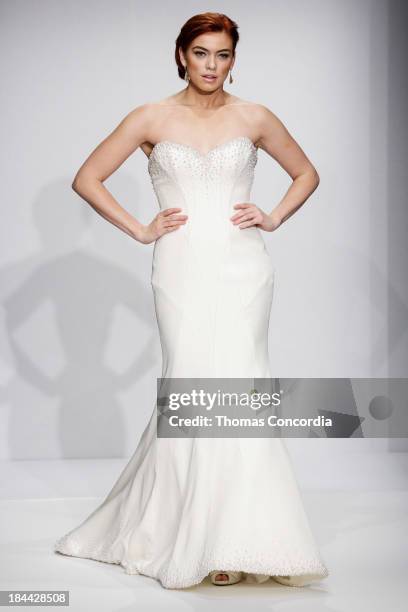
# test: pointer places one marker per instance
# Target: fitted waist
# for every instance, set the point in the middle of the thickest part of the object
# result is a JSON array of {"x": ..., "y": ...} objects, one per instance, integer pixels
[{"x": 210, "y": 239}]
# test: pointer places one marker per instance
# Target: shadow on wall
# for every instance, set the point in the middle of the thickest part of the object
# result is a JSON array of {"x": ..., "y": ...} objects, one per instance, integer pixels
[{"x": 60, "y": 305}]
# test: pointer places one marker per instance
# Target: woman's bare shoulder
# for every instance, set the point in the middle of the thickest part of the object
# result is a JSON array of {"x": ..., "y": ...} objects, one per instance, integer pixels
[
  {"x": 252, "y": 106},
  {"x": 147, "y": 114},
  {"x": 262, "y": 112},
  {"x": 255, "y": 113},
  {"x": 160, "y": 109},
  {"x": 240, "y": 101},
  {"x": 261, "y": 116}
]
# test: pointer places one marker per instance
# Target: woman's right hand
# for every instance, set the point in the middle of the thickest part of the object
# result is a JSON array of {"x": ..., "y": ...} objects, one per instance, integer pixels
[{"x": 165, "y": 221}]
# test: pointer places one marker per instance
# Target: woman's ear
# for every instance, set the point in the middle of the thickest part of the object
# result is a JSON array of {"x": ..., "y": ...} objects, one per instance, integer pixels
[{"x": 182, "y": 58}]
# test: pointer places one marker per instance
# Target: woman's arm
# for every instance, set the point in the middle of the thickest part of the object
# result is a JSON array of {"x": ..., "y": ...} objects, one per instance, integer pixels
[
  {"x": 131, "y": 132},
  {"x": 276, "y": 140}
]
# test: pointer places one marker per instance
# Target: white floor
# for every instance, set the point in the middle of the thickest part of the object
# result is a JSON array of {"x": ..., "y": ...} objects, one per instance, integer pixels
[{"x": 361, "y": 530}]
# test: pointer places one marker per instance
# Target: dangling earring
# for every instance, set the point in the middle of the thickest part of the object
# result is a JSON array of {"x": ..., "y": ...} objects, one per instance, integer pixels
[
  {"x": 231, "y": 79},
  {"x": 186, "y": 77}
]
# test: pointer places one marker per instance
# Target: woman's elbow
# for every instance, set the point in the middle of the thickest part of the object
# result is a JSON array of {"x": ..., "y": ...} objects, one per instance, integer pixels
[
  {"x": 79, "y": 183},
  {"x": 316, "y": 178},
  {"x": 75, "y": 183}
]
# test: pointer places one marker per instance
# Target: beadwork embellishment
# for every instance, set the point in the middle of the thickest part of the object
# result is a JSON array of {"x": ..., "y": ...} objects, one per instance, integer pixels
[{"x": 187, "y": 155}]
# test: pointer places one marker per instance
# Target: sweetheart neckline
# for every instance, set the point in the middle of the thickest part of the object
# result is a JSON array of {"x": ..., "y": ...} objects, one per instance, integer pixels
[{"x": 199, "y": 153}]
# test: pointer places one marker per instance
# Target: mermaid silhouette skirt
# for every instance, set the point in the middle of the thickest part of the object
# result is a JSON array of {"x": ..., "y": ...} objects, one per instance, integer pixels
[{"x": 183, "y": 507}]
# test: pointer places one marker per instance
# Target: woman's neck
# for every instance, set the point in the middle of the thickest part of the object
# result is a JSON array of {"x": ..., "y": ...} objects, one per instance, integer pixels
[{"x": 211, "y": 101}]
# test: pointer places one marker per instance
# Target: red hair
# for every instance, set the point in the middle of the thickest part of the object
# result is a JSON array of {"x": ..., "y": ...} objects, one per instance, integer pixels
[{"x": 201, "y": 24}]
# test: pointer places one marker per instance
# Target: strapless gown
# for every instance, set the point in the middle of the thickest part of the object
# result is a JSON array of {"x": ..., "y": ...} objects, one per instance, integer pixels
[{"x": 184, "y": 507}]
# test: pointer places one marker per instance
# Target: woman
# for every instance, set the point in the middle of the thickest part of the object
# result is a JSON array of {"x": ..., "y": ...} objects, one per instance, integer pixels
[{"x": 187, "y": 508}]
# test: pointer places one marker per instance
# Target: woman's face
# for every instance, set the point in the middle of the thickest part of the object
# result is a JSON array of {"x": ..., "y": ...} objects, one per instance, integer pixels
[{"x": 209, "y": 54}]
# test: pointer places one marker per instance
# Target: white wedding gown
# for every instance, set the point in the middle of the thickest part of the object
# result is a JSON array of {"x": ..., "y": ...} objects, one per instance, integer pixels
[{"x": 183, "y": 507}]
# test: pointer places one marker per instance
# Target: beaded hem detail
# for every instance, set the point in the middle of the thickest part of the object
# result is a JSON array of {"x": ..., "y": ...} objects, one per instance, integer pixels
[{"x": 303, "y": 570}]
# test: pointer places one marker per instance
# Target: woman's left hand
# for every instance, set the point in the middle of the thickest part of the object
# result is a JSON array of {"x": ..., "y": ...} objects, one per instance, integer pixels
[{"x": 250, "y": 214}]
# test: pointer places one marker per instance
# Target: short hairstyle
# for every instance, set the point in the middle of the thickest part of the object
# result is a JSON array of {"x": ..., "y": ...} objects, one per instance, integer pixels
[{"x": 201, "y": 24}]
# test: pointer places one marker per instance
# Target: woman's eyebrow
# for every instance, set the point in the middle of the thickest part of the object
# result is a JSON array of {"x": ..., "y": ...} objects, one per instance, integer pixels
[{"x": 200, "y": 47}]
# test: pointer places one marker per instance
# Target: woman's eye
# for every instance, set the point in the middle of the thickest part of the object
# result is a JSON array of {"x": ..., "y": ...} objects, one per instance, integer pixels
[{"x": 223, "y": 55}]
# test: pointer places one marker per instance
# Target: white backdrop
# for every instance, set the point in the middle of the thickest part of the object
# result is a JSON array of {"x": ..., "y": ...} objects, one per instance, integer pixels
[{"x": 80, "y": 346}]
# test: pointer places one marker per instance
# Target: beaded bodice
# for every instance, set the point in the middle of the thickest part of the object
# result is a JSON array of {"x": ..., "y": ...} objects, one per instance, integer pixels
[{"x": 212, "y": 182}]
